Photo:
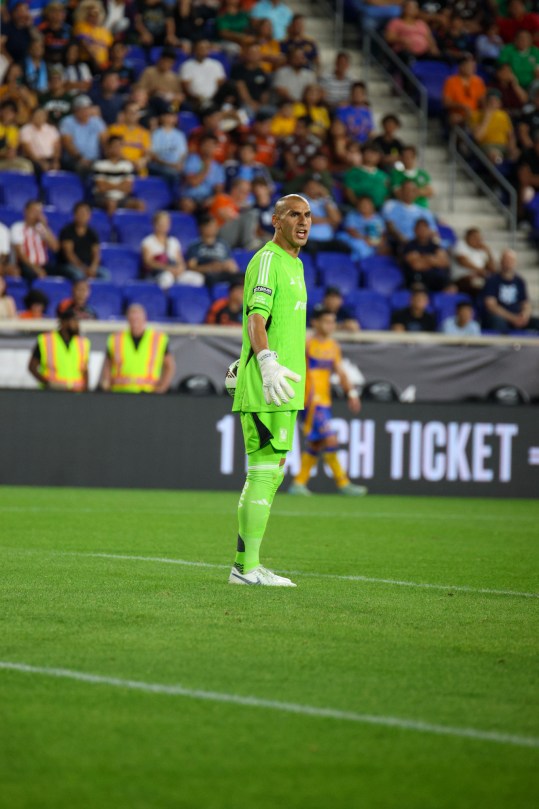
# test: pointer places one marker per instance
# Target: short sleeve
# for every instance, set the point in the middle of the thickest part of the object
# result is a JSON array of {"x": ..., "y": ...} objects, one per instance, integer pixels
[
  {"x": 17, "y": 236},
  {"x": 260, "y": 283}
]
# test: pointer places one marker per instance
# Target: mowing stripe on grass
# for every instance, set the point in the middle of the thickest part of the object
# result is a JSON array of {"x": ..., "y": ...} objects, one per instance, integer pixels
[
  {"x": 274, "y": 705},
  {"x": 339, "y": 577}
]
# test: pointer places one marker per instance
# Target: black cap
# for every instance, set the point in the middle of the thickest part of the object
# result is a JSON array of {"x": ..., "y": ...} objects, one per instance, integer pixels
[{"x": 168, "y": 53}]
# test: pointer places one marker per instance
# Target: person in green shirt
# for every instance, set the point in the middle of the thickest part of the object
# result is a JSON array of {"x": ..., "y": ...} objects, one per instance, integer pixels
[
  {"x": 408, "y": 170},
  {"x": 523, "y": 57},
  {"x": 233, "y": 24},
  {"x": 270, "y": 387},
  {"x": 367, "y": 180}
]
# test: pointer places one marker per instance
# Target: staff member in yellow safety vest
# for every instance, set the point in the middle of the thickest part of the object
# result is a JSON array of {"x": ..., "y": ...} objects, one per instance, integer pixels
[
  {"x": 60, "y": 358},
  {"x": 138, "y": 360}
]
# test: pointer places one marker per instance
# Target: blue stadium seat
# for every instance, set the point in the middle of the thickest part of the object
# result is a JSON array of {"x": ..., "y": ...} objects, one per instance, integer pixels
[
  {"x": 337, "y": 270},
  {"x": 189, "y": 304},
  {"x": 62, "y": 189},
  {"x": 17, "y": 189},
  {"x": 187, "y": 121},
  {"x": 448, "y": 237},
  {"x": 8, "y": 216},
  {"x": 154, "y": 191},
  {"x": 315, "y": 297},
  {"x": 56, "y": 219},
  {"x": 106, "y": 299},
  {"x": 432, "y": 76},
  {"x": 100, "y": 222},
  {"x": 56, "y": 289},
  {"x": 122, "y": 262},
  {"x": 148, "y": 295},
  {"x": 132, "y": 227},
  {"x": 400, "y": 299},
  {"x": 371, "y": 309},
  {"x": 219, "y": 291},
  {"x": 224, "y": 58},
  {"x": 242, "y": 258},
  {"x": 184, "y": 227},
  {"x": 445, "y": 304},
  {"x": 309, "y": 270},
  {"x": 17, "y": 288},
  {"x": 382, "y": 274},
  {"x": 181, "y": 57},
  {"x": 136, "y": 59}
]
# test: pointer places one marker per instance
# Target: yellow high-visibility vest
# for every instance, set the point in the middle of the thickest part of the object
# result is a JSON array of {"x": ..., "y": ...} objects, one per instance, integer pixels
[
  {"x": 136, "y": 370},
  {"x": 64, "y": 364}
]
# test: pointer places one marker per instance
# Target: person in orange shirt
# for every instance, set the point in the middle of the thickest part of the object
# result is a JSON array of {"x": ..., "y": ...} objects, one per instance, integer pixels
[
  {"x": 323, "y": 359},
  {"x": 136, "y": 140},
  {"x": 463, "y": 92}
]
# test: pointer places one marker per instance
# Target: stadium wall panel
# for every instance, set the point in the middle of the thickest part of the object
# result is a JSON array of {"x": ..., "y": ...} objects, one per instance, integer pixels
[{"x": 193, "y": 442}]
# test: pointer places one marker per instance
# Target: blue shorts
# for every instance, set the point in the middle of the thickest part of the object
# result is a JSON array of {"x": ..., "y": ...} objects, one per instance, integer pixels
[{"x": 316, "y": 424}]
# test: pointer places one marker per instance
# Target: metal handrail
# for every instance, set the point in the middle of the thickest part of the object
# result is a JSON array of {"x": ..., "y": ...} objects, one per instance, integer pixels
[
  {"x": 421, "y": 109},
  {"x": 459, "y": 136}
]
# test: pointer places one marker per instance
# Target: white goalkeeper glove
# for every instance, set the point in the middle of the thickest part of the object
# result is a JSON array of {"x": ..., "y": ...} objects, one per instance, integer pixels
[{"x": 276, "y": 388}]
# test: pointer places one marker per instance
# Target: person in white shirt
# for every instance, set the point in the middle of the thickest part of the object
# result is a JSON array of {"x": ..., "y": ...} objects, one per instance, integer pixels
[
  {"x": 162, "y": 257},
  {"x": 201, "y": 76},
  {"x": 463, "y": 323},
  {"x": 40, "y": 142},
  {"x": 6, "y": 267},
  {"x": 473, "y": 262},
  {"x": 31, "y": 240},
  {"x": 291, "y": 81}
]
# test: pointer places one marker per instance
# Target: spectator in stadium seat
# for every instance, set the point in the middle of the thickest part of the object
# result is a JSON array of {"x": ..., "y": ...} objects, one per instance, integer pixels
[
  {"x": 337, "y": 148},
  {"x": 409, "y": 35},
  {"x": 212, "y": 119},
  {"x": 78, "y": 302},
  {"x": 81, "y": 136},
  {"x": 233, "y": 27},
  {"x": 14, "y": 90},
  {"x": 357, "y": 115},
  {"x": 297, "y": 38},
  {"x": 528, "y": 121},
  {"x": 271, "y": 55},
  {"x": 35, "y": 302},
  {"x": 32, "y": 239},
  {"x": 409, "y": 170},
  {"x": 492, "y": 129},
  {"x": 201, "y": 76},
  {"x": 283, "y": 123},
  {"x": 18, "y": 31},
  {"x": 210, "y": 255},
  {"x": 312, "y": 106},
  {"x": 60, "y": 358},
  {"x": 40, "y": 142},
  {"x": 462, "y": 323},
  {"x": 277, "y": 12},
  {"x": 414, "y": 317},
  {"x": 58, "y": 102},
  {"x": 291, "y": 80},
  {"x": 338, "y": 84},
  {"x": 35, "y": 69},
  {"x": 252, "y": 81},
  {"x": 463, "y": 92},
  {"x": 162, "y": 83},
  {"x": 505, "y": 298},
  {"x": 265, "y": 144},
  {"x": 10, "y": 160},
  {"x": 374, "y": 14},
  {"x": 364, "y": 230},
  {"x": 488, "y": 46},
  {"x": 367, "y": 179},
  {"x": 333, "y": 301},
  {"x": 91, "y": 33},
  {"x": 517, "y": 18},
  {"x": 318, "y": 167},
  {"x": 401, "y": 215},
  {"x": 454, "y": 41},
  {"x": 77, "y": 74},
  {"x": 7, "y": 268},
  {"x": 203, "y": 176},
  {"x": 263, "y": 206},
  {"x": 228, "y": 311},
  {"x": 162, "y": 256},
  {"x": 112, "y": 180},
  {"x": 425, "y": 261},
  {"x": 390, "y": 146},
  {"x": 473, "y": 262},
  {"x": 154, "y": 23},
  {"x": 523, "y": 56},
  {"x": 136, "y": 140},
  {"x": 528, "y": 174},
  {"x": 513, "y": 96},
  {"x": 169, "y": 150},
  {"x": 56, "y": 32},
  {"x": 325, "y": 217},
  {"x": 8, "y": 307},
  {"x": 235, "y": 217},
  {"x": 298, "y": 149},
  {"x": 138, "y": 360},
  {"x": 107, "y": 96},
  {"x": 80, "y": 250},
  {"x": 117, "y": 62},
  {"x": 246, "y": 167}
]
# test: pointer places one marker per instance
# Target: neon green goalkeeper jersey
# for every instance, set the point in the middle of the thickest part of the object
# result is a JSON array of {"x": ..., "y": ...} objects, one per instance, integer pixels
[{"x": 275, "y": 289}]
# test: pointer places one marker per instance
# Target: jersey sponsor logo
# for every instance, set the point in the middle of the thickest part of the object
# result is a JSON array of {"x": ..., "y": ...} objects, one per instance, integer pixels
[
  {"x": 283, "y": 434},
  {"x": 301, "y": 306},
  {"x": 263, "y": 271},
  {"x": 267, "y": 290}
]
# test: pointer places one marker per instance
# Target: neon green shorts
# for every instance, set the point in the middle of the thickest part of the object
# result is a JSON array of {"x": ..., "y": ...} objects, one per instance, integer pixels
[{"x": 275, "y": 428}]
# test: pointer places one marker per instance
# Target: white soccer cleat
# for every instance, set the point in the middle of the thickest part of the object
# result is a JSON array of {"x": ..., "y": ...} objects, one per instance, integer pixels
[
  {"x": 260, "y": 575},
  {"x": 299, "y": 489}
]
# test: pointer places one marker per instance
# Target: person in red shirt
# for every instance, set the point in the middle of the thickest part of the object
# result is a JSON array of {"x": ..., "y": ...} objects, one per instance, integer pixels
[{"x": 518, "y": 19}]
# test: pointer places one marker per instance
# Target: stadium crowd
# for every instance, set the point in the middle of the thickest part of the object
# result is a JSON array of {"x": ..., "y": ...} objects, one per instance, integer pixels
[{"x": 143, "y": 143}]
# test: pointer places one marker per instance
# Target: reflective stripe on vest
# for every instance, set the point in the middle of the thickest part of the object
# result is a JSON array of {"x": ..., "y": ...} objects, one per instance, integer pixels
[
  {"x": 65, "y": 365},
  {"x": 136, "y": 369}
]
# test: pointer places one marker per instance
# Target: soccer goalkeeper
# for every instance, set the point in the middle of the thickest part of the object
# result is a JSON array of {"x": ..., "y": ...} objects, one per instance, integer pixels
[{"x": 271, "y": 378}]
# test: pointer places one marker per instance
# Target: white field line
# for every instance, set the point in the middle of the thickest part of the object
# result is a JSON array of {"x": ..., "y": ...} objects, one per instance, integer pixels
[
  {"x": 360, "y": 513},
  {"x": 335, "y": 576},
  {"x": 274, "y": 705}
]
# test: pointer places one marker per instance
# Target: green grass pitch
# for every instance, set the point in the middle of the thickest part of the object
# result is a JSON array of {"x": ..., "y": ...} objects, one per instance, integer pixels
[{"x": 453, "y": 657}]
